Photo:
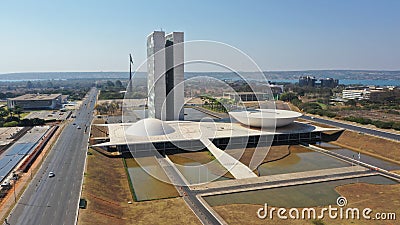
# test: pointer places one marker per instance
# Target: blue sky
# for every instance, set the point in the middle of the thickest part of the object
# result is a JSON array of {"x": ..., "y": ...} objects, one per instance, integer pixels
[{"x": 95, "y": 35}]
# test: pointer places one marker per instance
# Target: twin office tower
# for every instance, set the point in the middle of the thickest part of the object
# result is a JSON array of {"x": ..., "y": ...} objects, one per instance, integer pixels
[{"x": 165, "y": 68}]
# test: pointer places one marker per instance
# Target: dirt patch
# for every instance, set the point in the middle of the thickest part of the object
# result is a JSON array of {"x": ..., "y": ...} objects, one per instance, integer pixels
[
  {"x": 299, "y": 149},
  {"x": 106, "y": 189},
  {"x": 380, "y": 198},
  {"x": 373, "y": 114},
  {"x": 374, "y": 146},
  {"x": 282, "y": 105}
]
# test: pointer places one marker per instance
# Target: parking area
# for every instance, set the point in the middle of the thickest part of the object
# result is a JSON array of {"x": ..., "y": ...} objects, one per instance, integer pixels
[{"x": 49, "y": 115}]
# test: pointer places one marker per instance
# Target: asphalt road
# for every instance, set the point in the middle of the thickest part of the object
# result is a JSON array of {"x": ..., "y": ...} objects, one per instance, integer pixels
[
  {"x": 54, "y": 201},
  {"x": 355, "y": 128}
]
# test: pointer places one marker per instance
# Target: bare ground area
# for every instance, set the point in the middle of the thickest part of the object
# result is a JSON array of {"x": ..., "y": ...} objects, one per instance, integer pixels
[
  {"x": 107, "y": 192},
  {"x": 373, "y": 114},
  {"x": 374, "y": 146},
  {"x": 380, "y": 198}
]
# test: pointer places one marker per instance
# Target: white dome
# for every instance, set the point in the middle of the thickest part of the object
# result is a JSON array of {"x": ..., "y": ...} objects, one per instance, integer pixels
[
  {"x": 149, "y": 127},
  {"x": 266, "y": 117}
]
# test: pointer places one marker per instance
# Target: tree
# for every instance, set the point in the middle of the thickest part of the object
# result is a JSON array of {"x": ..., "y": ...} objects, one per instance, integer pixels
[
  {"x": 351, "y": 102},
  {"x": 118, "y": 83},
  {"x": 288, "y": 96},
  {"x": 3, "y": 112},
  {"x": 10, "y": 124},
  {"x": 29, "y": 85},
  {"x": 49, "y": 84},
  {"x": 110, "y": 83},
  {"x": 18, "y": 111},
  {"x": 11, "y": 111}
]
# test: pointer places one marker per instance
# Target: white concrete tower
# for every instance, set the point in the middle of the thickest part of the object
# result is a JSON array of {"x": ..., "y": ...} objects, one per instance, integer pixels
[
  {"x": 165, "y": 75},
  {"x": 156, "y": 75},
  {"x": 174, "y": 58}
]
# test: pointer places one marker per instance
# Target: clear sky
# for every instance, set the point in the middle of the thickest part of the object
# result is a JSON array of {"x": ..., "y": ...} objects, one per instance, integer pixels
[{"x": 98, "y": 35}]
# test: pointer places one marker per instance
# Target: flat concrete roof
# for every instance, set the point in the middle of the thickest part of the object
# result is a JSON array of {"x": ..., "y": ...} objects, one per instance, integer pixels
[
  {"x": 190, "y": 131},
  {"x": 36, "y": 97}
]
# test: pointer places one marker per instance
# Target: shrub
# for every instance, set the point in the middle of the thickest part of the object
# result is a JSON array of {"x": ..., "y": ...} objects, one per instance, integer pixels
[
  {"x": 382, "y": 124},
  {"x": 396, "y": 126},
  {"x": 11, "y": 124}
]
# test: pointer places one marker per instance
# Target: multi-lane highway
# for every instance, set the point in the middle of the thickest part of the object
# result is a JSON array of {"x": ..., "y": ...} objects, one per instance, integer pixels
[
  {"x": 379, "y": 133},
  {"x": 54, "y": 200}
]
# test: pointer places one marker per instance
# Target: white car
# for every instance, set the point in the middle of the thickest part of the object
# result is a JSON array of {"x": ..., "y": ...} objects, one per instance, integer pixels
[{"x": 51, "y": 174}]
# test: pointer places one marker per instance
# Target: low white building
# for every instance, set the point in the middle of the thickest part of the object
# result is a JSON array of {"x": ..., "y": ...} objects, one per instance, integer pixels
[
  {"x": 36, "y": 101},
  {"x": 356, "y": 94}
]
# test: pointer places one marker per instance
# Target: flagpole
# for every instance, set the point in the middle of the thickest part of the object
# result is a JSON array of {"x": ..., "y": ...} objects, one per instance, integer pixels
[{"x": 130, "y": 74}]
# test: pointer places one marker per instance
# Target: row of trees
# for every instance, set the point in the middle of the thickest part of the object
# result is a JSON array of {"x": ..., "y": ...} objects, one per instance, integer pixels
[
  {"x": 312, "y": 108},
  {"x": 217, "y": 105},
  {"x": 377, "y": 123},
  {"x": 315, "y": 91},
  {"x": 111, "y": 90},
  {"x": 10, "y": 112},
  {"x": 110, "y": 85},
  {"x": 108, "y": 107},
  {"x": 23, "y": 123},
  {"x": 107, "y": 94},
  {"x": 8, "y": 118}
]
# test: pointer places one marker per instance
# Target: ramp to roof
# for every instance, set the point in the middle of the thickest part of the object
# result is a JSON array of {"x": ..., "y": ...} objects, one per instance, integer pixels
[{"x": 234, "y": 166}]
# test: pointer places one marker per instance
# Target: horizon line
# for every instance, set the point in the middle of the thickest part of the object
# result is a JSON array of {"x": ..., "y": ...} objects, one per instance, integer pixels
[{"x": 305, "y": 70}]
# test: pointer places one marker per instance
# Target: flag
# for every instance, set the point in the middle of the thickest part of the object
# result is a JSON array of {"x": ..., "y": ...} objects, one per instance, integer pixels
[{"x": 130, "y": 67}]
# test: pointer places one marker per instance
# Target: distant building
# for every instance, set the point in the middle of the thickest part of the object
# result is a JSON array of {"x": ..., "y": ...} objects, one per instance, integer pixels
[
  {"x": 36, "y": 101},
  {"x": 329, "y": 82},
  {"x": 307, "y": 81},
  {"x": 246, "y": 96},
  {"x": 276, "y": 88},
  {"x": 356, "y": 93},
  {"x": 165, "y": 75}
]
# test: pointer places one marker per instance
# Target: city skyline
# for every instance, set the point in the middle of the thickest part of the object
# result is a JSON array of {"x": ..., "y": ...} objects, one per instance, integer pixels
[{"x": 43, "y": 36}]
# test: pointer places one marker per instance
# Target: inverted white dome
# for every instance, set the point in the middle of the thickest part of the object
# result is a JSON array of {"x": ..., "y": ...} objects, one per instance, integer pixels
[
  {"x": 266, "y": 117},
  {"x": 149, "y": 127}
]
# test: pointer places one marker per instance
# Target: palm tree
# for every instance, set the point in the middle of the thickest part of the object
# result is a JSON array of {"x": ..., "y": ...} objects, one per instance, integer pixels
[
  {"x": 11, "y": 111},
  {"x": 18, "y": 111},
  {"x": 3, "y": 112}
]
